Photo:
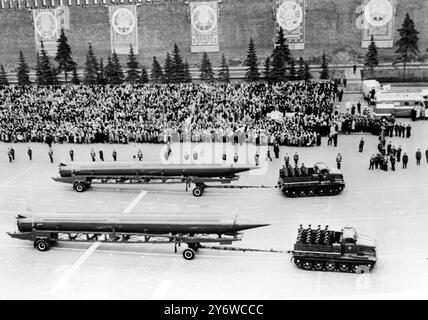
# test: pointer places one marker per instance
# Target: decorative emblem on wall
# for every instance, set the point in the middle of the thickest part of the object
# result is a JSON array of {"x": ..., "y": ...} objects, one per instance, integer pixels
[
  {"x": 289, "y": 15},
  {"x": 204, "y": 18},
  {"x": 46, "y": 25},
  {"x": 378, "y": 12},
  {"x": 123, "y": 21}
]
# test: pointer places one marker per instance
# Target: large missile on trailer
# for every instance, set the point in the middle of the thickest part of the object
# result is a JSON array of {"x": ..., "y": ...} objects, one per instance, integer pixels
[
  {"x": 135, "y": 223},
  {"x": 82, "y": 175}
]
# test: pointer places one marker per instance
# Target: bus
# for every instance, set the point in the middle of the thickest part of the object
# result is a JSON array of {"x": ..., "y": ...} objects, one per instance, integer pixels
[{"x": 399, "y": 104}]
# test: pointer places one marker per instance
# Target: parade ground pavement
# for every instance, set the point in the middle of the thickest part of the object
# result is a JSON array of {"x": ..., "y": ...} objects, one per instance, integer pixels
[{"x": 390, "y": 206}]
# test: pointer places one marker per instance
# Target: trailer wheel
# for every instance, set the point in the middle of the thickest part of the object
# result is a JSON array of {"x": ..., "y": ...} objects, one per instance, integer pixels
[
  {"x": 329, "y": 266},
  {"x": 42, "y": 244},
  {"x": 79, "y": 186},
  {"x": 188, "y": 254},
  {"x": 197, "y": 191}
]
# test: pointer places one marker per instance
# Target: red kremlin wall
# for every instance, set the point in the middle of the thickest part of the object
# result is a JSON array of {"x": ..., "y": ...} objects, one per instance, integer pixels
[{"x": 330, "y": 26}]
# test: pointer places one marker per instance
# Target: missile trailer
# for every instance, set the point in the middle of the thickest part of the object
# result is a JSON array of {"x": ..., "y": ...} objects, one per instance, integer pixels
[
  {"x": 326, "y": 250},
  {"x": 309, "y": 182}
]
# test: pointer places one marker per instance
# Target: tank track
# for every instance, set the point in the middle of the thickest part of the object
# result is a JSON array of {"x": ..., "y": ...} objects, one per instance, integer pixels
[
  {"x": 331, "y": 266},
  {"x": 312, "y": 192}
]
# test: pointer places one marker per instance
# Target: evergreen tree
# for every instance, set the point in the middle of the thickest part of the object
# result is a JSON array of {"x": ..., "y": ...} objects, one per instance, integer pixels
[
  {"x": 109, "y": 71},
  {"x": 223, "y": 74},
  {"x": 187, "y": 75},
  {"x": 46, "y": 74},
  {"x": 22, "y": 74},
  {"x": 251, "y": 63},
  {"x": 325, "y": 73},
  {"x": 167, "y": 77},
  {"x": 132, "y": 72},
  {"x": 3, "y": 77},
  {"x": 307, "y": 74},
  {"x": 91, "y": 67},
  {"x": 177, "y": 69},
  {"x": 156, "y": 72},
  {"x": 408, "y": 48},
  {"x": 54, "y": 75},
  {"x": 75, "y": 79},
  {"x": 206, "y": 69},
  {"x": 39, "y": 77},
  {"x": 117, "y": 69},
  {"x": 267, "y": 71},
  {"x": 292, "y": 69},
  {"x": 144, "y": 77},
  {"x": 371, "y": 57},
  {"x": 63, "y": 56},
  {"x": 301, "y": 70},
  {"x": 280, "y": 57},
  {"x": 101, "y": 73}
]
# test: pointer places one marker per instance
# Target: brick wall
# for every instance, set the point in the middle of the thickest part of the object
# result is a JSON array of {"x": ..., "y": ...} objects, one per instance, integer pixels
[{"x": 330, "y": 26}]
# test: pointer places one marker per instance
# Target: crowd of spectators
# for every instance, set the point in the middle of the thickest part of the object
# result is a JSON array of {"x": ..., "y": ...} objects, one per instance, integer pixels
[{"x": 156, "y": 113}]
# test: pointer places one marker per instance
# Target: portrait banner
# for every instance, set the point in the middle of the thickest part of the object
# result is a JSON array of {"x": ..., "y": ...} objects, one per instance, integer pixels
[
  {"x": 204, "y": 19},
  {"x": 379, "y": 21},
  {"x": 123, "y": 28},
  {"x": 290, "y": 16},
  {"x": 47, "y": 29}
]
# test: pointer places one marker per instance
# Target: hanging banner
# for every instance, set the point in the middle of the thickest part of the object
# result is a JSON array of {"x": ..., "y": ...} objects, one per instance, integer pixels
[
  {"x": 290, "y": 16},
  {"x": 378, "y": 20},
  {"x": 46, "y": 29},
  {"x": 204, "y": 19},
  {"x": 123, "y": 28}
]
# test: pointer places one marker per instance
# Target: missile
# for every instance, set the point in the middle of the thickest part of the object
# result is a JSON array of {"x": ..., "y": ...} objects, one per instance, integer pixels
[
  {"x": 120, "y": 169},
  {"x": 136, "y": 223}
]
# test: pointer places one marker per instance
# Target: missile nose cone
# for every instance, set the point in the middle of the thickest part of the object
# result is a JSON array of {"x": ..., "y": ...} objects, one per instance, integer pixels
[{"x": 240, "y": 227}]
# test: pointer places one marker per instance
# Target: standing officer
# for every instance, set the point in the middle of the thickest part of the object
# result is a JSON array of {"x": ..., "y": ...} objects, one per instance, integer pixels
[
  {"x": 372, "y": 162},
  {"x": 140, "y": 155},
  {"x": 408, "y": 130},
  {"x": 235, "y": 157},
  {"x": 296, "y": 158},
  {"x": 268, "y": 155},
  {"x": 257, "y": 158},
  {"x": 30, "y": 153},
  {"x": 399, "y": 154},
  {"x": 50, "y": 153},
  {"x": 224, "y": 157},
  {"x": 359, "y": 107},
  {"x": 12, "y": 152},
  {"x": 101, "y": 153},
  {"x": 361, "y": 146},
  {"x": 71, "y": 152},
  {"x": 426, "y": 154},
  {"x": 114, "y": 154},
  {"x": 392, "y": 160},
  {"x": 418, "y": 157},
  {"x": 93, "y": 154},
  {"x": 276, "y": 149},
  {"x": 339, "y": 160},
  {"x": 405, "y": 160},
  {"x": 9, "y": 154},
  {"x": 388, "y": 148},
  {"x": 286, "y": 159}
]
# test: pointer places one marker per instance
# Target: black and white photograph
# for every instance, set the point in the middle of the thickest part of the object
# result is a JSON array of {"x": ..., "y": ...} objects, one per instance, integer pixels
[{"x": 206, "y": 150}]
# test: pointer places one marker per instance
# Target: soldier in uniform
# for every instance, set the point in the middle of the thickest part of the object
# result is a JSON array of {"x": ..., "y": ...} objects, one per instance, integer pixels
[
  {"x": 257, "y": 158},
  {"x": 12, "y": 152},
  {"x": 361, "y": 145},
  {"x": 30, "y": 153},
  {"x": 339, "y": 160},
  {"x": 297, "y": 171},
  {"x": 286, "y": 159},
  {"x": 9, "y": 154},
  {"x": 223, "y": 157},
  {"x": 304, "y": 170},
  {"x": 93, "y": 154},
  {"x": 408, "y": 129},
  {"x": 114, "y": 154},
  {"x": 426, "y": 154},
  {"x": 276, "y": 149},
  {"x": 399, "y": 154},
  {"x": 71, "y": 152},
  {"x": 235, "y": 157},
  {"x": 418, "y": 157},
  {"x": 296, "y": 158},
  {"x": 101, "y": 154},
  {"x": 140, "y": 155},
  {"x": 388, "y": 148},
  {"x": 392, "y": 160},
  {"x": 372, "y": 162},
  {"x": 405, "y": 160},
  {"x": 50, "y": 153},
  {"x": 268, "y": 154}
]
